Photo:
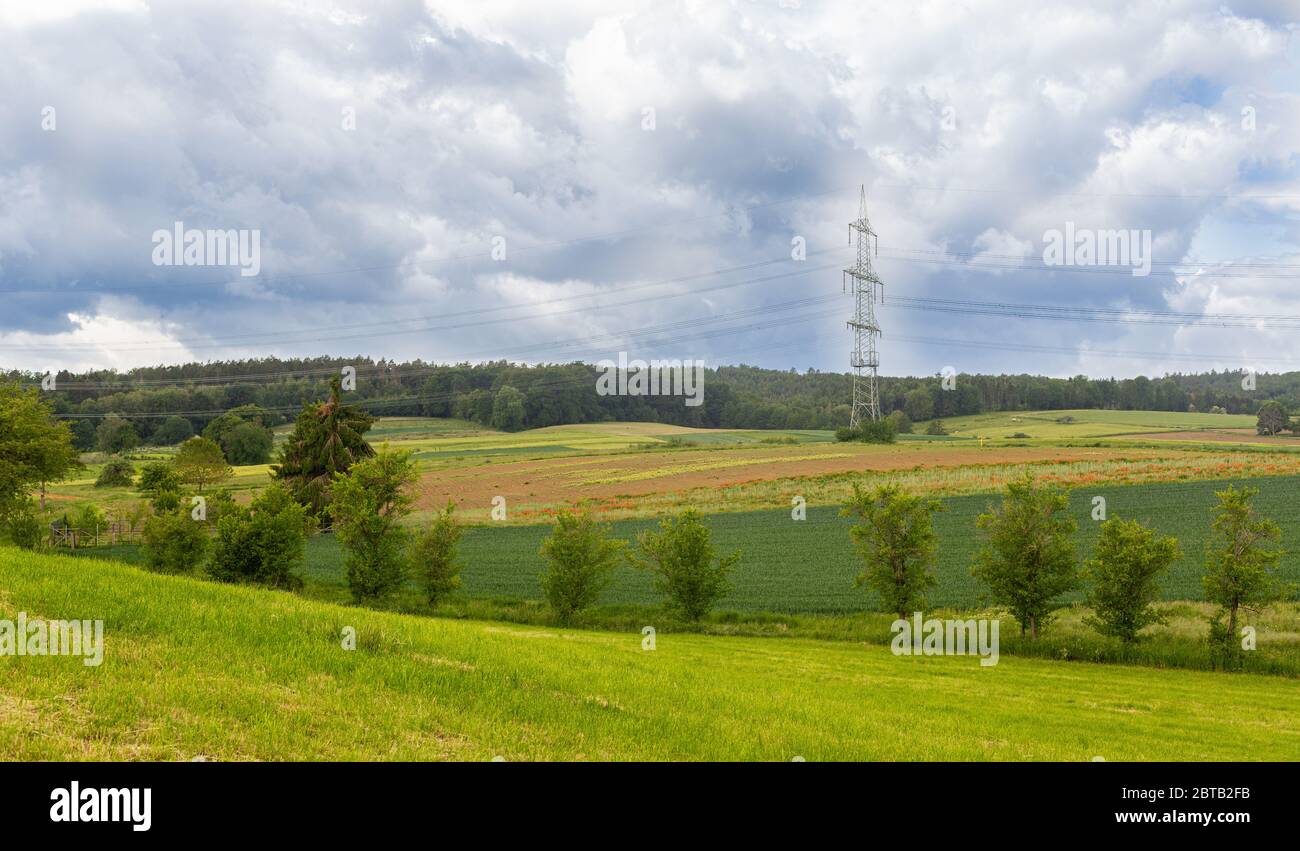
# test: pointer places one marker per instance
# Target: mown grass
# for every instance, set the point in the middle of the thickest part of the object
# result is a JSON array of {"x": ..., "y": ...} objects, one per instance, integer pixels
[{"x": 194, "y": 669}]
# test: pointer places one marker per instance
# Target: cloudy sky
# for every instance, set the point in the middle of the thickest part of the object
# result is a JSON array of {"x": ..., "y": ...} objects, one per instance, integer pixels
[{"x": 477, "y": 180}]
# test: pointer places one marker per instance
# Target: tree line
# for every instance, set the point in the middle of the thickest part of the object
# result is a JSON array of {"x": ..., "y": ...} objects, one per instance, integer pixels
[
  {"x": 1028, "y": 561},
  {"x": 516, "y": 396}
]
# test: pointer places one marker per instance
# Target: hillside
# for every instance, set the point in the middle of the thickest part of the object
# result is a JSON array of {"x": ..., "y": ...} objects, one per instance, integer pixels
[{"x": 253, "y": 674}]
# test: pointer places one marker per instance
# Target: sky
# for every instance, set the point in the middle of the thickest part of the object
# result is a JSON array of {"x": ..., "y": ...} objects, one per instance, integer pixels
[{"x": 469, "y": 181}]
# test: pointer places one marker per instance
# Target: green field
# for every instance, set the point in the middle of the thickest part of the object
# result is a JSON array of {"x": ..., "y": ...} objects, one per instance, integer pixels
[
  {"x": 809, "y": 566},
  {"x": 254, "y": 674},
  {"x": 1089, "y": 423}
]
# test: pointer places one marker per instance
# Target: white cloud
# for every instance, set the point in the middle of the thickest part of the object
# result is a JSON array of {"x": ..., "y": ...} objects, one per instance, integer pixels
[{"x": 483, "y": 119}]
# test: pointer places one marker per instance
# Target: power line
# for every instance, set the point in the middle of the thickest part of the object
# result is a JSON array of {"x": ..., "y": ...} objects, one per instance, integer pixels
[
  {"x": 1096, "y": 314},
  {"x": 443, "y": 327},
  {"x": 1177, "y": 196},
  {"x": 782, "y": 322},
  {"x": 1079, "y": 350},
  {"x": 480, "y": 255}
]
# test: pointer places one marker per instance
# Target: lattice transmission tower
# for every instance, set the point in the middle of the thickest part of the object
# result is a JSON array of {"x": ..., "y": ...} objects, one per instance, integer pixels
[{"x": 865, "y": 358}]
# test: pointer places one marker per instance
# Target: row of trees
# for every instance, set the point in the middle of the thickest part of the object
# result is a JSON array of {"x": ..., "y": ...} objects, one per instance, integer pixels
[
  {"x": 369, "y": 504},
  {"x": 1028, "y": 559},
  {"x": 514, "y": 396}
]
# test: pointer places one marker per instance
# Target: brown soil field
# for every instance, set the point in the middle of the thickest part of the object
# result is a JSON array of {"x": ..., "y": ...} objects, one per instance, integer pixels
[{"x": 568, "y": 480}]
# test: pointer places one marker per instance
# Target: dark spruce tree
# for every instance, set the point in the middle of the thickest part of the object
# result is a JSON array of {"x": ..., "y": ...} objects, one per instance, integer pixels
[{"x": 328, "y": 438}]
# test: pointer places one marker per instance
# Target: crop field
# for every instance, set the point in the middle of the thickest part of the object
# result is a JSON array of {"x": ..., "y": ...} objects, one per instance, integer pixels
[
  {"x": 258, "y": 675},
  {"x": 1090, "y": 423},
  {"x": 631, "y": 470},
  {"x": 809, "y": 566}
]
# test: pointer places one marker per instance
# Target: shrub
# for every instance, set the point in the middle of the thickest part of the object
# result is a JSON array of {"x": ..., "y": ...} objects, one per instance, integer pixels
[
  {"x": 248, "y": 443},
  {"x": 580, "y": 560},
  {"x": 1020, "y": 435},
  {"x": 91, "y": 518},
  {"x": 902, "y": 422},
  {"x": 367, "y": 506},
  {"x": 23, "y": 525},
  {"x": 682, "y": 558},
  {"x": 936, "y": 428},
  {"x": 871, "y": 431},
  {"x": 216, "y": 505},
  {"x": 158, "y": 476},
  {"x": 1028, "y": 556},
  {"x": 896, "y": 537},
  {"x": 115, "y": 435},
  {"x": 166, "y": 501},
  {"x": 173, "y": 430},
  {"x": 1124, "y": 572},
  {"x": 117, "y": 472},
  {"x": 433, "y": 555},
  {"x": 262, "y": 543},
  {"x": 173, "y": 543},
  {"x": 1239, "y": 565}
]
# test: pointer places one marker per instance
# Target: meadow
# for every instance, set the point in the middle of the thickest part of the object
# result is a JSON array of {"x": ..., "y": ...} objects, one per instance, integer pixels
[
  {"x": 808, "y": 566},
  {"x": 258, "y": 675}
]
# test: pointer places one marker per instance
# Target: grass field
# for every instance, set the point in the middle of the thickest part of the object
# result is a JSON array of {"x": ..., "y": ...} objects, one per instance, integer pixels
[
  {"x": 1056, "y": 425},
  {"x": 808, "y": 566},
  {"x": 254, "y": 674},
  {"x": 639, "y": 470}
]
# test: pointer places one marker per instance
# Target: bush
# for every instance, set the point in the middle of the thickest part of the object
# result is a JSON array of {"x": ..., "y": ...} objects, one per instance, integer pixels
[
  {"x": 1019, "y": 435},
  {"x": 1124, "y": 572},
  {"x": 580, "y": 560},
  {"x": 166, "y": 501},
  {"x": 216, "y": 505},
  {"x": 935, "y": 428},
  {"x": 895, "y": 536},
  {"x": 1028, "y": 557},
  {"x": 1239, "y": 566},
  {"x": 158, "y": 476},
  {"x": 262, "y": 543},
  {"x": 871, "y": 431},
  {"x": 174, "y": 430},
  {"x": 117, "y": 473},
  {"x": 902, "y": 422},
  {"x": 173, "y": 543},
  {"x": 366, "y": 506},
  {"x": 115, "y": 435},
  {"x": 90, "y": 518},
  {"x": 23, "y": 525},
  {"x": 682, "y": 559},
  {"x": 433, "y": 555},
  {"x": 248, "y": 443}
]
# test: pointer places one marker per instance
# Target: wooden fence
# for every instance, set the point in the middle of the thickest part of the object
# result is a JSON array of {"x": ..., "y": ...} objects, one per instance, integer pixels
[{"x": 115, "y": 532}]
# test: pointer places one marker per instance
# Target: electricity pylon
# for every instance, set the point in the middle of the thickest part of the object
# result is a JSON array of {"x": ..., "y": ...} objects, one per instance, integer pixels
[{"x": 865, "y": 359}]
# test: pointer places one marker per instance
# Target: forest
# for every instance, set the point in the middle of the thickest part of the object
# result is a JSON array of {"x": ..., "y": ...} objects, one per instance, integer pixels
[{"x": 514, "y": 396}]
